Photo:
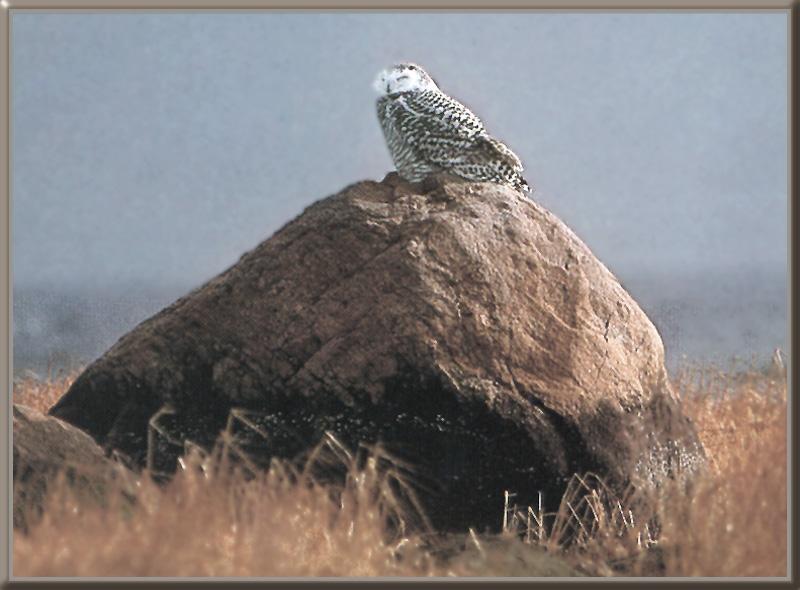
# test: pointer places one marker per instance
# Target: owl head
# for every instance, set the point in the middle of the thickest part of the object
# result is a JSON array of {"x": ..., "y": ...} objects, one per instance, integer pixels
[{"x": 403, "y": 78}]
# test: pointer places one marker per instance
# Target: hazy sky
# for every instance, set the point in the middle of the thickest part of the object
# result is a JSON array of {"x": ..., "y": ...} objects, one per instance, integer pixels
[{"x": 159, "y": 147}]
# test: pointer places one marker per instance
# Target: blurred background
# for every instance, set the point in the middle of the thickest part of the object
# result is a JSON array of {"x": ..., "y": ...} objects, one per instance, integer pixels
[{"x": 149, "y": 151}]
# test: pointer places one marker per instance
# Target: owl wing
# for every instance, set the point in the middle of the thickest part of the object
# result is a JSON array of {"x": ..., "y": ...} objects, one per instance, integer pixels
[
  {"x": 431, "y": 125},
  {"x": 447, "y": 133},
  {"x": 435, "y": 113},
  {"x": 503, "y": 153}
]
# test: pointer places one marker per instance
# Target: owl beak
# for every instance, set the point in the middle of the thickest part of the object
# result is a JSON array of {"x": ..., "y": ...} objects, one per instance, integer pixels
[{"x": 381, "y": 84}]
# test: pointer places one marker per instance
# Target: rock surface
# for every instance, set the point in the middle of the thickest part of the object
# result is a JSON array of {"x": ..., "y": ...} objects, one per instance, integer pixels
[
  {"x": 464, "y": 326},
  {"x": 46, "y": 447}
]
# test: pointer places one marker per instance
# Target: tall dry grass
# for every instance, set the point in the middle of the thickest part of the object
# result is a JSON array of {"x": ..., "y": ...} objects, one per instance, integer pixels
[
  {"x": 41, "y": 394},
  {"x": 209, "y": 522},
  {"x": 732, "y": 521}
]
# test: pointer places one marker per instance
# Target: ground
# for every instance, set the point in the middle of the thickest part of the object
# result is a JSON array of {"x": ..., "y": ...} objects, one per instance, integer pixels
[{"x": 731, "y": 522}]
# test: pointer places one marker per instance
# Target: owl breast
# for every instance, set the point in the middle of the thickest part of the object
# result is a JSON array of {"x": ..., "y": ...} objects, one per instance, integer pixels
[{"x": 400, "y": 139}]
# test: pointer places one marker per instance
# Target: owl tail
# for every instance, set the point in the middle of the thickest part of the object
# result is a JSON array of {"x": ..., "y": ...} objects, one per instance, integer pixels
[{"x": 522, "y": 185}]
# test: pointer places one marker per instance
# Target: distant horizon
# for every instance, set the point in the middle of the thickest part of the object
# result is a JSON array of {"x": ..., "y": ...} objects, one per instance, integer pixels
[{"x": 700, "y": 321}]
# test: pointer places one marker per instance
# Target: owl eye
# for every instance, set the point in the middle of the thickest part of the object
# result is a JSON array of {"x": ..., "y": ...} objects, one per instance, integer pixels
[{"x": 412, "y": 67}]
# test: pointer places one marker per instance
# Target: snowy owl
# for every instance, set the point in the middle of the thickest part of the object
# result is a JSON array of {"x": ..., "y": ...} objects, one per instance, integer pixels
[{"x": 428, "y": 131}]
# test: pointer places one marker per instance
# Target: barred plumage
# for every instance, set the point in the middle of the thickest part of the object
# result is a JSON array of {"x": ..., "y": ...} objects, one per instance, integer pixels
[{"x": 428, "y": 131}]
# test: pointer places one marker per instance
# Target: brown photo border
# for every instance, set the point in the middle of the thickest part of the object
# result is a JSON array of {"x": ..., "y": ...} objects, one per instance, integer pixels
[{"x": 8, "y": 6}]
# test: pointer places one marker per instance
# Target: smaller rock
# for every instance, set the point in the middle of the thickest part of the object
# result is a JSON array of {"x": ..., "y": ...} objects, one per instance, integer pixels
[
  {"x": 496, "y": 555},
  {"x": 45, "y": 447}
]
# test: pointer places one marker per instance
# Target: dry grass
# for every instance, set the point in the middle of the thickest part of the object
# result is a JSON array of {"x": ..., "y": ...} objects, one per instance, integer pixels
[
  {"x": 41, "y": 394},
  {"x": 731, "y": 522},
  {"x": 734, "y": 522},
  {"x": 210, "y": 524}
]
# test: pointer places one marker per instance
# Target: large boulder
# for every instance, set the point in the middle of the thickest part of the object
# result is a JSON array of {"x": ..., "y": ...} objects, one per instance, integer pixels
[{"x": 460, "y": 324}]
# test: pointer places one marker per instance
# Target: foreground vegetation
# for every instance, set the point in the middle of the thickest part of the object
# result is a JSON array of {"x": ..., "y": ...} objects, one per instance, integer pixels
[{"x": 208, "y": 522}]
